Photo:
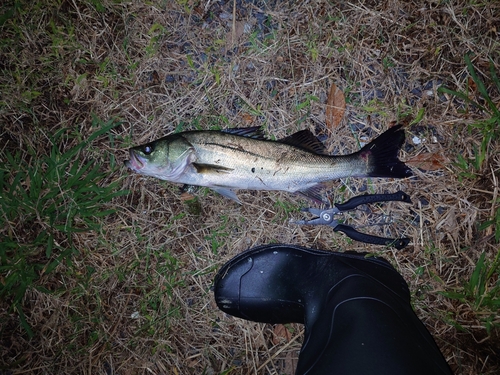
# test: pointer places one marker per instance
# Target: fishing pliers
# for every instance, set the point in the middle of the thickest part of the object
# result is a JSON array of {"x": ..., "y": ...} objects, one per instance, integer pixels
[{"x": 327, "y": 217}]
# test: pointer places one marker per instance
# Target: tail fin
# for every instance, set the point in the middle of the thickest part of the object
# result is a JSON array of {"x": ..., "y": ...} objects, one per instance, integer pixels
[{"x": 382, "y": 155}]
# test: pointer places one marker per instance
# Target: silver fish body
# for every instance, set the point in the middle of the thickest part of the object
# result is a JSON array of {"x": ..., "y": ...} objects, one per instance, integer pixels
[{"x": 243, "y": 159}]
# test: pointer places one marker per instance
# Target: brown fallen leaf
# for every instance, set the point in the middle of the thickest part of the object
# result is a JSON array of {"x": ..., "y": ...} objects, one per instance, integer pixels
[
  {"x": 290, "y": 363},
  {"x": 235, "y": 34},
  {"x": 472, "y": 86},
  {"x": 280, "y": 334},
  {"x": 247, "y": 118},
  {"x": 185, "y": 196},
  {"x": 335, "y": 107},
  {"x": 430, "y": 161}
]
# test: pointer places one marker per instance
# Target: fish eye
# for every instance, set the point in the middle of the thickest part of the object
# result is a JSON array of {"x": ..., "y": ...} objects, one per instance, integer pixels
[{"x": 148, "y": 149}]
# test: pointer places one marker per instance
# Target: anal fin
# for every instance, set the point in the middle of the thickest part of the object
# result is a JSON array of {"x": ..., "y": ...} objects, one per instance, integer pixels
[{"x": 314, "y": 193}]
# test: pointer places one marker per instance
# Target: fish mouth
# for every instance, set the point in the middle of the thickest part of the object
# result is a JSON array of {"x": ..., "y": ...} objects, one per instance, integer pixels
[{"x": 135, "y": 162}]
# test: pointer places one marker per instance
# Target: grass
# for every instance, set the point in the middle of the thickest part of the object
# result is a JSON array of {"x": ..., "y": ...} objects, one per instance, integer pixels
[
  {"x": 489, "y": 130},
  {"x": 488, "y": 127},
  {"x": 482, "y": 290},
  {"x": 104, "y": 271},
  {"x": 46, "y": 200}
]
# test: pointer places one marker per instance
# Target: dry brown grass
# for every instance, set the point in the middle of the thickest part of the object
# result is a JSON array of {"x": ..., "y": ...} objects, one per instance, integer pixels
[{"x": 138, "y": 299}]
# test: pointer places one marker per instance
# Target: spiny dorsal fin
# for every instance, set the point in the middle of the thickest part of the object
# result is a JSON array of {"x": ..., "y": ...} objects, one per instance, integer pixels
[
  {"x": 305, "y": 140},
  {"x": 254, "y": 132}
]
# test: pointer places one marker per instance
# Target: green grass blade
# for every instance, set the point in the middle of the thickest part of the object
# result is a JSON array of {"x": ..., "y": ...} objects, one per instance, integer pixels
[
  {"x": 480, "y": 85},
  {"x": 460, "y": 95},
  {"x": 474, "y": 286},
  {"x": 419, "y": 117},
  {"x": 108, "y": 126},
  {"x": 75, "y": 175},
  {"x": 453, "y": 295},
  {"x": 494, "y": 76},
  {"x": 22, "y": 319}
]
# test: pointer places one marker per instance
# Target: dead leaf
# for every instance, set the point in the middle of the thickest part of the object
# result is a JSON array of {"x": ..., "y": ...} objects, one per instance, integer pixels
[
  {"x": 155, "y": 78},
  {"x": 430, "y": 161},
  {"x": 235, "y": 34},
  {"x": 335, "y": 107},
  {"x": 472, "y": 86},
  {"x": 449, "y": 224},
  {"x": 185, "y": 196},
  {"x": 247, "y": 118},
  {"x": 280, "y": 334},
  {"x": 290, "y": 363}
]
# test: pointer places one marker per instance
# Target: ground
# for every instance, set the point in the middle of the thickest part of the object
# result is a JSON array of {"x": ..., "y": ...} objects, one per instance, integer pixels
[{"x": 130, "y": 291}]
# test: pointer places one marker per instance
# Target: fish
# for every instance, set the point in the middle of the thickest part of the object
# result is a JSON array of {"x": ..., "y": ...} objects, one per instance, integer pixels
[{"x": 243, "y": 158}]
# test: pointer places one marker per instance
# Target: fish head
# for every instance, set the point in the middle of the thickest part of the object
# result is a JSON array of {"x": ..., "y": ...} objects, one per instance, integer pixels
[{"x": 166, "y": 158}]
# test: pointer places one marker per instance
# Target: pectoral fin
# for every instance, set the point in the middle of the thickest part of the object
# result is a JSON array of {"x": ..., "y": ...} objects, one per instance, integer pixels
[
  {"x": 211, "y": 168},
  {"x": 228, "y": 193}
]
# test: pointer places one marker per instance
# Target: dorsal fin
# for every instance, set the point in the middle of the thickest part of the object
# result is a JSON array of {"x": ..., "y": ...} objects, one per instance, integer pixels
[
  {"x": 254, "y": 132},
  {"x": 305, "y": 140}
]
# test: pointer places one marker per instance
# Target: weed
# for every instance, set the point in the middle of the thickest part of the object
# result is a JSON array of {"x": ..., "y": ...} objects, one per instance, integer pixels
[
  {"x": 45, "y": 201},
  {"x": 306, "y": 104},
  {"x": 418, "y": 117},
  {"x": 489, "y": 129},
  {"x": 98, "y": 5},
  {"x": 217, "y": 237},
  {"x": 170, "y": 267},
  {"x": 387, "y": 63},
  {"x": 482, "y": 291},
  {"x": 284, "y": 209},
  {"x": 158, "y": 305},
  {"x": 375, "y": 107},
  {"x": 313, "y": 49},
  {"x": 156, "y": 33}
]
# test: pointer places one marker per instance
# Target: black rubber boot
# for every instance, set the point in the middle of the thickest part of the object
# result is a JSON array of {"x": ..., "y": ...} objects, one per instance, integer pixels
[{"x": 356, "y": 309}]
